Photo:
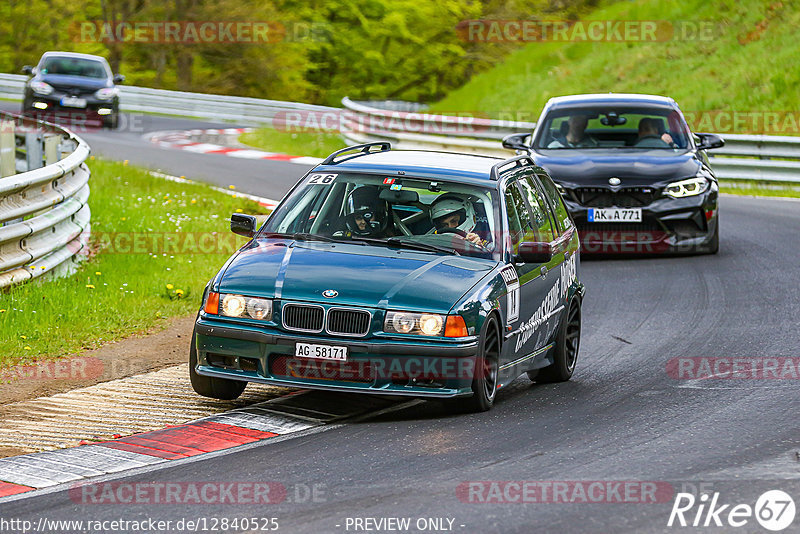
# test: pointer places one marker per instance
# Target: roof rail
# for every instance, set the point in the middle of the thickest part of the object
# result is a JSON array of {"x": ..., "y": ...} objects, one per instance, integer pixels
[
  {"x": 517, "y": 161},
  {"x": 363, "y": 150}
]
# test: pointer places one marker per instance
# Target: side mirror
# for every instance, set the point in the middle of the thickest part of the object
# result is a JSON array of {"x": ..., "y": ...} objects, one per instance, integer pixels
[
  {"x": 535, "y": 252},
  {"x": 709, "y": 140},
  {"x": 517, "y": 141},
  {"x": 244, "y": 225},
  {"x": 27, "y": 69},
  {"x": 118, "y": 78}
]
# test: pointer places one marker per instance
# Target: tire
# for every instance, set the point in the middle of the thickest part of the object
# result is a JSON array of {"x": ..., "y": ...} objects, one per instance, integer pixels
[
  {"x": 484, "y": 381},
  {"x": 212, "y": 387},
  {"x": 713, "y": 246},
  {"x": 112, "y": 123},
  {"x": 566, "y": 350}
]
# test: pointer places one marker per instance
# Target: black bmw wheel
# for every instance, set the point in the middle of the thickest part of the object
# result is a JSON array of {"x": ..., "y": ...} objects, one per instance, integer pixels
[
  {"x": 566, "y": 350},
  {"x": 207, "y": 386},
  {"x": 484, "y": 381}
]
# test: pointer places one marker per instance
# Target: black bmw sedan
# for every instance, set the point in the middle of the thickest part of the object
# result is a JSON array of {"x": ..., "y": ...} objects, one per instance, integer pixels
[
  {"x": 634, "y": 178},
  {"x": 80, "y": 87}
]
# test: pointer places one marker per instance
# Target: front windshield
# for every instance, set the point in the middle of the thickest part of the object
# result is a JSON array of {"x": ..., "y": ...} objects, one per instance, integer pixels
[
  {"x": 74, "y": 66},
  {"x": 425, "y": 214},
  {"x": 608, "y": 127}
]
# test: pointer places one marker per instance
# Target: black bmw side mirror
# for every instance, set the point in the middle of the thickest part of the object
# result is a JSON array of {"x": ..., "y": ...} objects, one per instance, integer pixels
[
  {"x": 244, "y": 225},
  {"x": 517, "y": 141},
  {"x": 709, "y": 141},
  {"x": 118, "y": 78},
  {"x": 535, "y": 252},
  {"x": 27, "y": 69}
]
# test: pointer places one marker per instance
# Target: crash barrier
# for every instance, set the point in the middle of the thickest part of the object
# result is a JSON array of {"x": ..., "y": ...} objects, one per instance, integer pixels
[
  {"x": 744, "y": 157},
  {"x": 44, "y": 189},
  {"x": 750, "y": 157},
  {"x": 246, "y": 111}
]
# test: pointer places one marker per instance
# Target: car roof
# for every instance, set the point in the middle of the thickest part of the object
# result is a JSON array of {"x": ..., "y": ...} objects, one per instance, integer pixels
[
  {"x": 73, "y": 55},
  {"x": 465, "y": 168},
  {"x": 610, "y": 98}
]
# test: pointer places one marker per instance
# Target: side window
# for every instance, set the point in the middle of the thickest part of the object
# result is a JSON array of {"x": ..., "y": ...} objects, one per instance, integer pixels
[
  {"x": 562, "y": 215},
  {"x": 542, "y": 223},
  {"x": 518, "y": 217}
]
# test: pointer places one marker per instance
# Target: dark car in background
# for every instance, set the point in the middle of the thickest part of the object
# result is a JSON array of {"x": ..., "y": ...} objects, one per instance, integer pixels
[
  {"x": 634, "y": 177},
  {"x": 79, "y": 86}
]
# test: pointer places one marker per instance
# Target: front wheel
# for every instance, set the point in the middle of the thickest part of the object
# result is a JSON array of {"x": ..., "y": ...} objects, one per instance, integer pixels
[
  {"x": 484, "y": 381},
  {"x": 209, "y": 386},
  {"x": 566, "y": 350}
]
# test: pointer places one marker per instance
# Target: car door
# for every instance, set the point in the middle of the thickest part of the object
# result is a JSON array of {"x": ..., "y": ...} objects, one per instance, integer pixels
[
  {"x": 527, "y": 311},
  {"x": 548, "y": 232}
]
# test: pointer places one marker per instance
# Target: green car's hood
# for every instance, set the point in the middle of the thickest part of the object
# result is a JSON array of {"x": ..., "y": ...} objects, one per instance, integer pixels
[{"x": 362, "y": 275}]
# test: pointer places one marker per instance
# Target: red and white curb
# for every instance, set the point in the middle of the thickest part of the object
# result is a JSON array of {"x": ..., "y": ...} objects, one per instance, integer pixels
[
  {"x": 243, "y": 426},
  {"x": 190, "y": 140}
]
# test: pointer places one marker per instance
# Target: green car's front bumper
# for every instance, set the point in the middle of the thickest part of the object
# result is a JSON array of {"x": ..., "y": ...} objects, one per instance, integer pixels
[{"x": 428, "y": 368}]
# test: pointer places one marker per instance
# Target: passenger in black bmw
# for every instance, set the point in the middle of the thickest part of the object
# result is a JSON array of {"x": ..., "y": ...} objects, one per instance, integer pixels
[{"x": 642, "y": 185}]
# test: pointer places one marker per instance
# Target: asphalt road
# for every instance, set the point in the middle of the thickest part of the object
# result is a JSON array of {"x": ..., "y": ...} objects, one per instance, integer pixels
[{"x": 621, "y": 418}]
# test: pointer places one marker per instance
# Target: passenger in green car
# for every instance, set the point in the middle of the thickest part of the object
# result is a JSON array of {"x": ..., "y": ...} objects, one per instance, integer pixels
[{"x": 366, "y": 214}]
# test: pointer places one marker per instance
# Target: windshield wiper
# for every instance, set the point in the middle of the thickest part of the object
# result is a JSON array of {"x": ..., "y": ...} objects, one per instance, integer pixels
[
  {"x": 405, "y": 243},
  {"x": 301, "y": 236}
]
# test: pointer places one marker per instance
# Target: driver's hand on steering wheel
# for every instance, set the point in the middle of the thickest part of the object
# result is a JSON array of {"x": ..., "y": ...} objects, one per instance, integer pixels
[{"x": 473, "y": 238}]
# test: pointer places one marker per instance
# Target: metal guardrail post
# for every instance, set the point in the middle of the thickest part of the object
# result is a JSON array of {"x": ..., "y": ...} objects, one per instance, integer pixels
[{"x": 8, "y": 147}]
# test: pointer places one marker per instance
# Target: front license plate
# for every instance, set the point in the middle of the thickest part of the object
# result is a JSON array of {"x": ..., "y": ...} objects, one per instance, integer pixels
[
  {"x": 73, "y": 102},
  {"x": 615, "y": 215},
  {"x": 320, "y": 352}
]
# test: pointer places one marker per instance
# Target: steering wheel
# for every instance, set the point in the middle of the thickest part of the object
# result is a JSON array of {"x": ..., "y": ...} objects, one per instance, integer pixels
[{"x": 448, "y": 230}]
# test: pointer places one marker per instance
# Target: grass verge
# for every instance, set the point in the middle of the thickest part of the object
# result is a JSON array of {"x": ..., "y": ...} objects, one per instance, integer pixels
[
  {"x": 155, "y": 245},
  {"x": 318, "y": 145},
  {"x": 753, "y": 188},
  {"x": 744, "y": 60}
]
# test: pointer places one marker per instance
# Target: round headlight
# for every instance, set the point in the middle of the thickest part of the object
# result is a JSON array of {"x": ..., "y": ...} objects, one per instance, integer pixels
[
  {"x": 430, "y": 325},
  {"x": 403, "y": 322},
  {"x": 233, "y": 306},
  {"x": 259, "y": 309}
]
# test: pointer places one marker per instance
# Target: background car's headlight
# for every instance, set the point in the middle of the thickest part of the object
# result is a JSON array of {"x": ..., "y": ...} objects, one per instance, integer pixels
[
  {"x": 425, "y": 324},
  {"x": 41, "y": 88},
  {"x": 687, "y": 188},
  {"x": 106, "y": 93},
  {"x": 239, "y": 306}
]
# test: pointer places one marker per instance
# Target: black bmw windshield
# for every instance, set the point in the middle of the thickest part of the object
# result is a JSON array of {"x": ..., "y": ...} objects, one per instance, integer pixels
[{"x": 613, "y": 127}]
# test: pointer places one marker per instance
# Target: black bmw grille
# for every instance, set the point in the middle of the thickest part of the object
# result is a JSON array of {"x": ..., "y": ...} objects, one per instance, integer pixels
[
  {"x": 603, "y": 197},
  {"x": 348, "y": 322},
  {"x": 303, "y": 317}
]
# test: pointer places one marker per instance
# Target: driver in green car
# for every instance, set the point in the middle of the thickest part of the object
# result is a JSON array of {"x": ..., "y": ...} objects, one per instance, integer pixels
[
  {"x": 366, "y": 214},
  {"x": 453, "y": 211}
]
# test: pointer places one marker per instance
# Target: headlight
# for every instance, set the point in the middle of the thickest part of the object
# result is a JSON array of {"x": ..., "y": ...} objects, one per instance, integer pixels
[
  {"x": 106, "y": 93},
  {"x": 687, "y": 188},
  {"x": 41, "y": 88},
  {"x": 425, "y": 324},
  {"x": 240, "y": 306}
]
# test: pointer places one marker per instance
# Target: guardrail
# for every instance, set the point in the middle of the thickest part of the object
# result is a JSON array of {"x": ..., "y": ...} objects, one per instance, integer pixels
[
  {"x": 749, "y": 157},
  {"x": 744, "y": 157},
  {"x": 44, "y": 215},
  {"x": 243, "y": 110}
]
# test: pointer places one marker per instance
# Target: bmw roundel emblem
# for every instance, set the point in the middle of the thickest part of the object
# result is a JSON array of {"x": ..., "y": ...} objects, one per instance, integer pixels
[
  {"x": 614, "y": 181},
  {"x": 330, "y": 293}
]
